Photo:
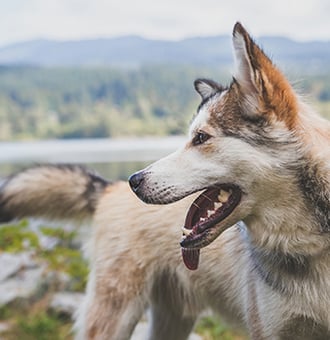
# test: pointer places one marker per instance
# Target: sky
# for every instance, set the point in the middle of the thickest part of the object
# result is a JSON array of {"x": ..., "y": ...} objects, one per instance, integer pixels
[{"x": 22, "y": 20}]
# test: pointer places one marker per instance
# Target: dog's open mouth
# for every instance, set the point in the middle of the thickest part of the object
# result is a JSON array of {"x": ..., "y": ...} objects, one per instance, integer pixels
[{"x": 202, "y": 224}]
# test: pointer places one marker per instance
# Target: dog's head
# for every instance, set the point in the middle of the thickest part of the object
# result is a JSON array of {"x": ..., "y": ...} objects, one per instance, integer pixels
[{"x": 236, "y": 144}]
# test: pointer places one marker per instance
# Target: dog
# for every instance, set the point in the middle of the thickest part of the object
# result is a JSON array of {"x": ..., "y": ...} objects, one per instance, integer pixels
[
  {"x": 262, "y": 157},
  {"x": 251, "y": 189}
]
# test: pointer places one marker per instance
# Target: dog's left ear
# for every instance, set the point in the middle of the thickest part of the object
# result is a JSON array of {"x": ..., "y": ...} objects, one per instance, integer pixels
[
  {"x": 264, "y": 87},
  {"x": 207, "y": 88}
]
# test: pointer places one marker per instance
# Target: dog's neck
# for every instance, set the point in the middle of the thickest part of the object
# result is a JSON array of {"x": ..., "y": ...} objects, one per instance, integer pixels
[
  {"x": 288, "y": 234},
  {"x": 277, "y": 269},
  {"x": 289, "y": 274},
  {"x": 294, "y": 218}
]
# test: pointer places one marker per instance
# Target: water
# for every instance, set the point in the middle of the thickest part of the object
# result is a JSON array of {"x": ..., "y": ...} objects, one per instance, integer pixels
[{"x": 114, "y": 159}]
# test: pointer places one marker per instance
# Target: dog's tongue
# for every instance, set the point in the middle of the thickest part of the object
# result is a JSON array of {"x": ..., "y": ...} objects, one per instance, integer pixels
[{"x": 190, "y": 258}]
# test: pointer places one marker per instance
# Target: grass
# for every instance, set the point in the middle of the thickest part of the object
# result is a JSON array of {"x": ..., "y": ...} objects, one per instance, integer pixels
[
  {"x": 212, "y": 328},
  {"x": 41, "y": 326},
  {"x": 33, "y": 320},
  {"x": 34, "y": 323},
  {"x": 18, "y": 237},
  {"x": 70, "y": 262}
]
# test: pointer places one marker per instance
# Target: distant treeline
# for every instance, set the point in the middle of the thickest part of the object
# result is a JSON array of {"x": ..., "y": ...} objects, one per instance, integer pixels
[{"x": 43, "y": 103}]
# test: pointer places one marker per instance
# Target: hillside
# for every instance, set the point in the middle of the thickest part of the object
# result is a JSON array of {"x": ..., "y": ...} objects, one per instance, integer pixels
[
  {"x": 94, "y": 102},
  {"x": 132, "y": 51}
]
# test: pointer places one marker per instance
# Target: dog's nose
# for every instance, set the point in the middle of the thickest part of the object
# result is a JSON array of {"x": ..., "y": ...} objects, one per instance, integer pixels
[{"x": 135, "y": 180}]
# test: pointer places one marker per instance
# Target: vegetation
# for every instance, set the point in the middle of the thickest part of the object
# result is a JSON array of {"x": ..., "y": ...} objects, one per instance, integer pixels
[
  {"x": 32, "y": 319},
  {"x": 15, "y": 238},
  {"x": 76, "y": 103},
  {"x": 212, "y": 328},
  {"x": 43, "y": 103},
  {"x": 38, "y": 325},
  {"x": 62, "y": 257}
]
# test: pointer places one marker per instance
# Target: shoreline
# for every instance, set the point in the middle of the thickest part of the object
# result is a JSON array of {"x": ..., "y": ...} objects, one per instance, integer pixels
[{"x": 89, "y": 150}]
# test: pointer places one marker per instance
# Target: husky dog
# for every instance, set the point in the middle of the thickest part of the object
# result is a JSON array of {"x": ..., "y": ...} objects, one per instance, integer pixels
[{"x": 259, "y": 156}]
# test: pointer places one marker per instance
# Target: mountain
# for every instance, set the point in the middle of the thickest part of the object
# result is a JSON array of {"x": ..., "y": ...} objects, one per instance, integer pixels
[
  {"x": 131, "y": 51},
  {"x": 124, "y": 51}
]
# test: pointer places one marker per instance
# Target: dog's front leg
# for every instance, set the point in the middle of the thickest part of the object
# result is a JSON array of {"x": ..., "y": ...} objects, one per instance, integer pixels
[
  {"x": 109, "y": 312},
  {"x": 169, "y": 324},
  {"x": 173, "y": 312}
]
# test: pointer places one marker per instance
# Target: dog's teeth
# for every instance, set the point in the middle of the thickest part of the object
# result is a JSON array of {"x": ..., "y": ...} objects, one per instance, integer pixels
[
  {"x": 223, "y": 196},
  {"x": 186, "y": 231},
  {"x": 202, "y": 219},
  {"x": 217, "y": 205},
  {"x": 210, "y": 213}
]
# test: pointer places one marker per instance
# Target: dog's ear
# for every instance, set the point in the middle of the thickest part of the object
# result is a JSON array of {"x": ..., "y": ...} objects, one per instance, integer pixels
[
  {"x": 263, "y": 86},
  {"x": 207, "y": 88}
]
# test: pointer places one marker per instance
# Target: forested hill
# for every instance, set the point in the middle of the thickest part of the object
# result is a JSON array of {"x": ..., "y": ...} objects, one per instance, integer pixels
[
  {"x": 90, "y": 102},
  {"x": 130, "y": 86},
  {"x": 132, "y": 51}
]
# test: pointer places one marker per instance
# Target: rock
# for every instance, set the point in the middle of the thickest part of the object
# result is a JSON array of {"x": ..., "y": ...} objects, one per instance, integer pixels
[
  {"x": 195, "y": 336},
  {"x": 66, "y": 303},
  {"x": 47, "y": 242},
  {"x": 57, "y": 280},
  {"x": 10, "y": 264},
  {"x": 141, "y": 331},
  {"x": 4, "y": 327},
  {"x": 24, "y": 285}
]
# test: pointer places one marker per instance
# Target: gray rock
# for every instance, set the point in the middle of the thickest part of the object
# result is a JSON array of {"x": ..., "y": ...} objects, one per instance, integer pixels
[
  {"x": 141, "y": 331},
  {"x": 10, "y": 264},
  {"x": 25, "y": 285},
  {"x": 4, "y": 327},
  {"x": 57, "y": 280}
]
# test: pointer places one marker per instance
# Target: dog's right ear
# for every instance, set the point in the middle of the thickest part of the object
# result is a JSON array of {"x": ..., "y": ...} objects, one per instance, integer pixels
[
  {"x": 265, "y": 89},
  {"x": 207, "y": 88}
]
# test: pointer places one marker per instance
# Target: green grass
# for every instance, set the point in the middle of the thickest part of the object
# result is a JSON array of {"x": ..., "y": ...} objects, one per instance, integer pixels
[
  {"x": 70, "y": 262},
  {"x": 212, "y": 328},
  {"x": 40, "y": 326},
  {"x": 33, "y": 321},
  {"x": 37, "y": 324},
  {"x": 17, "y": 237}
]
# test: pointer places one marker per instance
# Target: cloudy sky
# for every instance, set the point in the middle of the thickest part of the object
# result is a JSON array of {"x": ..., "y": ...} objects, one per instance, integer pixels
[{"x": 166, "y": 19}]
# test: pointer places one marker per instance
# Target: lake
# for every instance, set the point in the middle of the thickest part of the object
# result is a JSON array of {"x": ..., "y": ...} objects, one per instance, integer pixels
[{"x": 112, "y": 158}]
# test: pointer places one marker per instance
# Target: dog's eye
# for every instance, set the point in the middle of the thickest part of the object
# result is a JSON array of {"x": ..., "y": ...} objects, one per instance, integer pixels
[{"x": 200, "y": 138}]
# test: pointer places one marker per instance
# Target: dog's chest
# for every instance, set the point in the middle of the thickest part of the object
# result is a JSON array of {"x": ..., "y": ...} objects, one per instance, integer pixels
[{"x": 303, "y": 328}]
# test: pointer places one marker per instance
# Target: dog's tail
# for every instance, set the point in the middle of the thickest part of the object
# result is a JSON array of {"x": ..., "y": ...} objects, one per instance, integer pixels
[{"x": 65, "y": 192}]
